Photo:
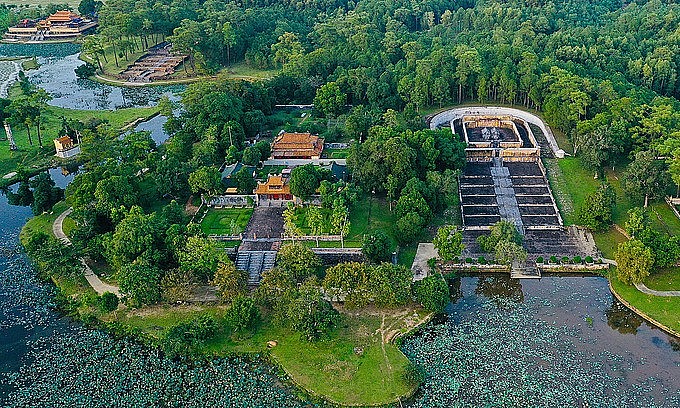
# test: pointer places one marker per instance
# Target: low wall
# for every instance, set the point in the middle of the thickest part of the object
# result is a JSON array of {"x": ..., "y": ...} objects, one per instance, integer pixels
[{"x": 333, "y": 256}]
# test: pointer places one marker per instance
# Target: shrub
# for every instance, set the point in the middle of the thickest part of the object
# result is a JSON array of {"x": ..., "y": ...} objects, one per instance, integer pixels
[
  {"x": 481, "y": 260},
  {"x": 539, "y": 259},
  {"x": 553, "y": 259},
  {"x": 243, "y": 313},
  {"x": 589, "y": 259},
  {"x": 376, "y": 247},
  {"x": 577, "y": 260},
  {"x": 108, "y": 302},
  {"x": 433, "y": 293},
  {"x": 565, "y": 259},
  {"x": 468, "y": 260}
]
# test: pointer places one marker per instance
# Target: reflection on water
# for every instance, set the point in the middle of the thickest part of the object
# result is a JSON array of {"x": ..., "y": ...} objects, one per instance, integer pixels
[
  {"x": 499, "y": 288},
  {"x": 57, "y": 76},
  {"x": 622, "y": 319},
  {"x": 155, "y": 127}
]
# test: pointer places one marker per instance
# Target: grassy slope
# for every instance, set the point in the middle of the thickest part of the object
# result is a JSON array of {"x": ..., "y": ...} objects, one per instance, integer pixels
[{"x": 329, "y": 367}]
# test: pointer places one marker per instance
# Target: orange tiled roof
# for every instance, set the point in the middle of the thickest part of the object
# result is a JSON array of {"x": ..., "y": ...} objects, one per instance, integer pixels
[
  {"x": 297, "y": 145},
  {"x": 62, "y": 16},
  {"x": 275, "y": 184}
]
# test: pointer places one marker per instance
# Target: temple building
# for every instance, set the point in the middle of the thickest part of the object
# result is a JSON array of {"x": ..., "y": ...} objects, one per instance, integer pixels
[
  {"x": 275, "y": 188},
  {"x": 62, "y": 25},
  {"x": 65, "y": 147},
  {"x": 297, "y": 146}
]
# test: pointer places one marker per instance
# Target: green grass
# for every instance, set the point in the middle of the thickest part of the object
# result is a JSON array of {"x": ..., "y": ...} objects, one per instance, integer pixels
[
  {"x": 301, "y": 220},
  {"x": 266, "y": 170},
  {"x": 576, "y": 182},
  {"x": 665, "y": 279},
  {"x": 330, "y": 367},
  {"x": 370, "y": 214},
  {"x": 241, "y": 70},
  {"x": 663, "y": 309},
  {"x": 219, "y": 221},
  {"x": 607, "y": 242},
  {"x": 336, "y": 153}
]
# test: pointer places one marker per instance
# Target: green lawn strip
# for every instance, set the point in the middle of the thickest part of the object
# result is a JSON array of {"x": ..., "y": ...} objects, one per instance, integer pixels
[
  {"x": 663, "y": 309},
  {"x": 370, "y": 214},
  {"x": 219, "y": 221},
  {"x": 664, "y": 279},
  {"x": 578, "y": 183},
  {"x": 302, "y": 220},
  {"x": 665, "y": 218},
  {"x": 156, "y": 320},
  {"x": 328, "y": 244}
]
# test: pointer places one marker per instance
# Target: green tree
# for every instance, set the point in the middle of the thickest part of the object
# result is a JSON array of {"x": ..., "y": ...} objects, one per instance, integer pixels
[
  {"x": 304, "y": 181},
  {"x": 634, "y": 261},
  {"x": 140, "y": 283},
  {"x": 646, "y": 177},
  {"x": 205, "y": 180},
  {"x": 243, "y": 313},
  {"x": 310, "y": 314},
  {"x": 251, "y": 156},
  {"x": 298, "y": 260},
  {"x": 245, "y": 181},
  {"x": 432, "y": 293},
  {"x": 508, "y": 252},
  {"x": 201, "y": 257},
  {"x": 449, "y": 242},
  {"x": 376, "y": 247},
  {"x": 596, "y": 212},
  {"x": 230, "y": 281},
  {"x": 500, "y": 231},
  {"x": 108, "y": 302},
  {"x": 45, "y": 193},
  {"x": 330, "y": 100}
]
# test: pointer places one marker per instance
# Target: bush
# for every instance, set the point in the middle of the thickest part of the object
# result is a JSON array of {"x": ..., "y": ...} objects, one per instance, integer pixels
[
  {"x": 577, "y": 260},
  {"x": 433, "y": 293},
  {"x": 85, "y": 71},
  {"x": 108, "y": 302},
  {"x": 468, "y": 260},
  {"x": 376, "y": 247},
  {"x": 565, "y": 259},
  {"x": 243, "y": 313},
  {"x": 481, "y": 260},
  {"x": 553, "y": 259},
  {"x": 539, "y": 259},
  {"x": 589, "y": 259}
]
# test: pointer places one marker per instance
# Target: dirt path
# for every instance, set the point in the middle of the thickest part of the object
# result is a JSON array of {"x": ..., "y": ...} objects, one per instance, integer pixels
[{"x": 91, "y": 277}]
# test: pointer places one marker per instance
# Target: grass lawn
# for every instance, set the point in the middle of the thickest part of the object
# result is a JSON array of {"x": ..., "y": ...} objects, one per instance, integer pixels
[
  {"x": 607, "y": 242},
  {"x": 665, "y": 310},
  {"x": 265, "y": 170},
  {"x": 370, "y": 214},
  {"x": 336, "y": 153},
  {"x": 665, "y": 279},
  {"x": 221, "y": 221},
  {"x": 241, "y": 70},
  {"x": 302, "y": 222},
  {"x": 330, "y": 367}
]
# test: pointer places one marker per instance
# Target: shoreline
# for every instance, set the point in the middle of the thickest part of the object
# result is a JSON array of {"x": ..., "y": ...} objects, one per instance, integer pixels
[{"x": 642, "y": 314}]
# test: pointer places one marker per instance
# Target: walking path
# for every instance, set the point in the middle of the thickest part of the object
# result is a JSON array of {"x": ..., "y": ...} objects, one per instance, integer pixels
[
  {"x": 92, "y": 278},
  {"x": 644, "y": 289}
]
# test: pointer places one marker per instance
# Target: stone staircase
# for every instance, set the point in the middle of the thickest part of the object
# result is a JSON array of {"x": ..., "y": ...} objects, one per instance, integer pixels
[{"x": 255, "y": 263}]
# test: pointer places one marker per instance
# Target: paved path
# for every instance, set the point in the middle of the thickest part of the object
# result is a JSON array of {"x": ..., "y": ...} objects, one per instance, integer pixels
[
  {"x": 644, "y": 289},
  {"x": 425, "y": 252},
  {"x": 452, "y": 114},
  {"x": 92, "y": 278}
]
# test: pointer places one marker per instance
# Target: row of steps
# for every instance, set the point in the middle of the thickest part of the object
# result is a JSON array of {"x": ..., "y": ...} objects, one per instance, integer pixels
[{"x": 255, "y": 263}]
